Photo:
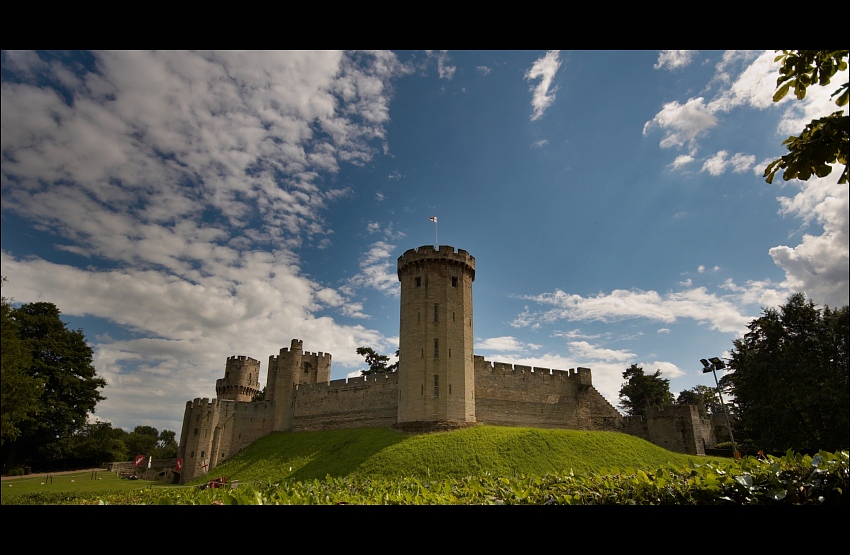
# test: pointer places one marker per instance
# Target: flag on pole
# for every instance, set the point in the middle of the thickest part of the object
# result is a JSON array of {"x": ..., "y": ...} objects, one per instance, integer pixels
[
  {"x": 150, "y": 460},
  {"x": 436, "y": 242}
]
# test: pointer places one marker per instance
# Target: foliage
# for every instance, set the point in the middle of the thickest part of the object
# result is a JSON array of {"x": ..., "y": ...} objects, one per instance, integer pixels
[
  {"x": 792, "y": 479},
  {"x": 790, "y": 378},
  {"x": 97, "y": 441},
  {"x": 642, "y": 391},
  {"x": 705, "y": 398},
  {"x": 146, "y": 440},
  {"x": 377, "y": 363},
  {"x": 62, "y": 360},
  {"x": 824, "y": 141},
  {"x": 20, "y": 390}
]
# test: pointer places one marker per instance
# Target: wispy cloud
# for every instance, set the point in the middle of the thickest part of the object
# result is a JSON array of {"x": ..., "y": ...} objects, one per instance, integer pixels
[
  {"x": 504, "y": 344},
  {"x": 196, "y": 177},
  {"x": 543, "y": 94},
  {"x": 674, "y": 59},
  {"x": 719, "y": 163},
  {"x": 697, "y": 304}
]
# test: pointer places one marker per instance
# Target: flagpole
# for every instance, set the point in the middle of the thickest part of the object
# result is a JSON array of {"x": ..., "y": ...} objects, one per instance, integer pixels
[{"x": 436, "y": 240}]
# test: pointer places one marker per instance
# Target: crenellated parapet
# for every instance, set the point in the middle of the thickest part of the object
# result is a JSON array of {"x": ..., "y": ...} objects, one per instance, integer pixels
[
  {"x": 582, "y": 376},
  {"x": 241, "y": 380},
  {"x": 414, "y": 259}
]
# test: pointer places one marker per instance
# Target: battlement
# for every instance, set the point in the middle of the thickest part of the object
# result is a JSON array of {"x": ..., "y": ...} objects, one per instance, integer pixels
[
  {"x": 199, "y": 403},
  {"x": 412, "y": 258},
  {"x": 242, "y": 358},
  {"x": 582, "y": 375},
  {"x": 353, "y": 381}
]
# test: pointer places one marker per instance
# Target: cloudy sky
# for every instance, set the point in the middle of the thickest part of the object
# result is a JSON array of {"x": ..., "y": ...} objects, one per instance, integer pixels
[{"x": 183, "y": 207}]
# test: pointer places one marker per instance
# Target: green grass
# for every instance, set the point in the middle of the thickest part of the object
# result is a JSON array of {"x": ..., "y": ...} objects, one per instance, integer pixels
[
  {"x": 69, "y": 483},
  {"x": 382, "y": 454},
  {"x": 386, "y": 453}
]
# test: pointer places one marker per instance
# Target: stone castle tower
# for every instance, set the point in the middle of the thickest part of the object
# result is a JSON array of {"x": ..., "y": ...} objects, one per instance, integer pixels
[
  {"x": 291, "y": 368},
  {"x": 241, "y": 380},
  {"x": 436, "y": 377}
]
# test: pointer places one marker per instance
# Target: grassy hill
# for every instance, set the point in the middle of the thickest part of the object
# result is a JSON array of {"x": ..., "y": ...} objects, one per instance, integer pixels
[{"x": 386, "y": 453}]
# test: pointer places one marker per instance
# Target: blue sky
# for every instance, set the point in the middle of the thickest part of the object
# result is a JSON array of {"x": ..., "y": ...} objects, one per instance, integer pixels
[{"x": 183, "y": 207}]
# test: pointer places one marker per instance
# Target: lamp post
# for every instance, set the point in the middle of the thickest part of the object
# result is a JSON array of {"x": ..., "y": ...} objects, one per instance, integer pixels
[{"x": 713, "y": 365}]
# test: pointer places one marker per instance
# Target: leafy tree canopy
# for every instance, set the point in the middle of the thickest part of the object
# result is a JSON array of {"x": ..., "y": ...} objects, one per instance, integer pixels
[
  {"x": 61, "y": 360},
  {"x": 20, "y": 390},
  {"x": 824, "y": 141},
  {"x": 642, "y": 391},
  {"x": 705, "y": 398},
  {"x": 377, "y": 362},
  {"x": 789, "y": 378}
]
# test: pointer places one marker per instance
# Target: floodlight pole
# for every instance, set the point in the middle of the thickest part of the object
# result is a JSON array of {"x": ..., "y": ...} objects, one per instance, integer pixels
[{"x": 713, "y": 366}]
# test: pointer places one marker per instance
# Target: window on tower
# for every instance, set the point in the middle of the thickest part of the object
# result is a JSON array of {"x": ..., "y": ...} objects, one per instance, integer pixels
[
  {"x": 454, "y": 281},
  {"x": 418, "y": 281},
  {"x": 436, "y": 348},
  {"x": 436, "y": 385},
  {"x": 436, "y": 312}
]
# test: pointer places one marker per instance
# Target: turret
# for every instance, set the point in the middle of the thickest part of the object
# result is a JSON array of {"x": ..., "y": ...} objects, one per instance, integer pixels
[
  {"x": 436, "y": 372},
  {"x": 241, "y": 379}
]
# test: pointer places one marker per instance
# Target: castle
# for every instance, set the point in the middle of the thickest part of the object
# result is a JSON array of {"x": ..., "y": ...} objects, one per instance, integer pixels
[{"x": 439, "y": 384}]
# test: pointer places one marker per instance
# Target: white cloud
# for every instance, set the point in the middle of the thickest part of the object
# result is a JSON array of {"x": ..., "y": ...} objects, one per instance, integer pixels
[
  {"x": 378, "y": 270},
  {"x": 483, "y": 70},
  {"x": 584, "y": 350},
  {"x": 505, "y": 343},
  {"x": 544, "y": 68},
  {"x": 738, "y": 163},
  {"x": 681, "y": 161},
  {"x": 682, "y": 123},
  {"x": 697, "y": 304},
  {"x": 819, "y": 264},
  {"x": 194, "y": 176},
  {"x": 444, "y": 69},
  {"x": 674, "y": 59}
]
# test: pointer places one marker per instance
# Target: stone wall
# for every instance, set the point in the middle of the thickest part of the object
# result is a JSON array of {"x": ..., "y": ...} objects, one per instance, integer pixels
[
  {"x": 516, "y": 395},
  {"x": 361, "y": 402}
]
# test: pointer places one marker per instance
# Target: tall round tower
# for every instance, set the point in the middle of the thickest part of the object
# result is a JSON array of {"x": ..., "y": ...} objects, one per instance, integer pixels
[
  {"x": 241, "y": 379},
  {"x": 436, "y": 373}
]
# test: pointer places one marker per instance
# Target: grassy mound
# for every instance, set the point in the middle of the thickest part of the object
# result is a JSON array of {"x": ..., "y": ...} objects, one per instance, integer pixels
[{"x": 386, "y": 453}]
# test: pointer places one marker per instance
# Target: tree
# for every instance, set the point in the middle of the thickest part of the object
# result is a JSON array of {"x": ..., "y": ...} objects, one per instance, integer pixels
[
  {"x": 97, "y": 442},
  {"x": 824, "y": 141},
  {"x": 642, "y": 391},
  {"x": 20, "y": 391},
  {"x": 62, "y": 360},
  {"x": 166, "y": 447},
  {"x": 705, "y": 398},
  {"x": 142, "y": 441},
  {"x": 377, "y": 363},
  {"x": 789, "y": 378}
]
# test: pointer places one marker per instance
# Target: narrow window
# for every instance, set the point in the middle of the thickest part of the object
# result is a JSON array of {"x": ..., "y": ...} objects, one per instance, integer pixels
[
  {"x": 436, "y": 312},
  {"x": 454, "y": 281},
  {"x": 196, "y": 431},
  {"x": 436, "y": 385},
  {"x": 450, "y": 356},
  {"x": 436, "y": 348},
  {"x": 192, "y": 454},
  {"x": 453, "y": 315},
  {"x": 423, "y": 352},
  {"x": 422, "y": 390},
  {"x": 450, "y": 389},
  {"x": 418, "y": 281}
]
